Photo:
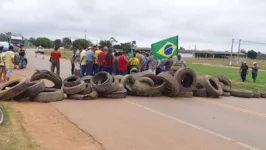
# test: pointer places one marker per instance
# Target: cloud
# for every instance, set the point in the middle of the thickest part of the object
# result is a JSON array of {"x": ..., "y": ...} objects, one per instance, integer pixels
[{"x": 209, "y": 24}]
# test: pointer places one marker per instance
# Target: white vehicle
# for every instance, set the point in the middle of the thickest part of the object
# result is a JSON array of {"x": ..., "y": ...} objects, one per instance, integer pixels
[{"x": 39, "y": 50}]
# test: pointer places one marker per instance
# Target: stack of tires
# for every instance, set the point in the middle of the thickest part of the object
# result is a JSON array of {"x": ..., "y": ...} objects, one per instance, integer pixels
[{"x": 35, "y": 89}]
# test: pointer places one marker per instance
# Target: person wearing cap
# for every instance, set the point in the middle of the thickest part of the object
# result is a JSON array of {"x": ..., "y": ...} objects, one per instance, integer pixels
[
  {"x": 83, "y": 63},
  {"x": 9, "y": 61},
  {"x": 243, "y": 71},
  {"x": 255, "y": 69},
  {"x": 89, "y": 61},
  {"x": 2, "y": 65},
  {"x": 101, "y": 59}
]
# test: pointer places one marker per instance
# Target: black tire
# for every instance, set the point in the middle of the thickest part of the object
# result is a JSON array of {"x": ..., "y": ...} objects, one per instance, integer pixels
[
  {"x": 23, "y": 64},
  {"x": 13, "y": 88},
  {"x": 75, "y": 89},
  {"x": 90, "y": 96},
  {"x": 185, "y": 94},
  {"x": 141, "y": 74},
  {"x": 128, "y": 81},
  {"x": 71, "y": 81},
  {"x": 146, "y": 80},
  {"x": 87, "y": 90},
  {"x": 2, "y": 116},
  {"x": 49, "y": 90},
  {"x": 48, "y": 75},
  {"x": 158, "y": 89},
  {"x": 242, "y": 93},
  {"x": 35, "y": 88},
  {"x": 140, "y": 89},
  {"x": 121, "y": 87},
  {"x": 224, "y": 80},
  {"x": 198, "y": 84},
  {"x": 256, "y": 94},
  {"x": 171, "y": 72},
  {"x": 263, "y": 94},
  {"x": 46, "y": 97},
  {"x": 212, "y": 86},
  {"x": 172, "y": 86},
  {"x": 101, "y": 81},
  {"x": 175, "y": 68},
  {"x": 118, "y": 94},
  {"x": 226, "y": 94},
  {"x": 114, "y": 86},
  {"x": 87, "y": 79},
  {"x": 186, "y": 78},
  {"x": 119, "y": 77},
  {"x": 200, "y": 92}
]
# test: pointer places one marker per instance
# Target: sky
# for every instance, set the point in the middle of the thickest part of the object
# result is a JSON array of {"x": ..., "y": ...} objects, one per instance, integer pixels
[{"x": 208, "y": 24}]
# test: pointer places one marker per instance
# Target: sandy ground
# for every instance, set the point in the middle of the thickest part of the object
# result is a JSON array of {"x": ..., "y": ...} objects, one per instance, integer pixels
[{"x": 51, "y": 130}]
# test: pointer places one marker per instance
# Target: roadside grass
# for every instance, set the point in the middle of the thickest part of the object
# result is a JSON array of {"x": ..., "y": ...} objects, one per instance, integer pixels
[
  {"x": 233, "y": 75},
  {"x": 66, "y": 53},
  {"x": 226, "y": 62},
  {"x": 13, "y": 135}
]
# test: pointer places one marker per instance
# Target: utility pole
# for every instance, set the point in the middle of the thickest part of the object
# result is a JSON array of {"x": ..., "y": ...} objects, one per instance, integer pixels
[
  {"x": 195, "y": 47},
  {"x": 231, "y": 55},
  {"x": 239, "y": 44},
  {"x": 85, "y": 34}
]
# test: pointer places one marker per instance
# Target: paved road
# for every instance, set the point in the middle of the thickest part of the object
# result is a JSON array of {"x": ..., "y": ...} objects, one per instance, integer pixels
[{"x": 138, "y": 123}]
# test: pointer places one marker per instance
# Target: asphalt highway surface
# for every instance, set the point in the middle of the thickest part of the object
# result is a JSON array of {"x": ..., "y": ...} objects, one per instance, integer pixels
[{"x": 163, "y": 123}]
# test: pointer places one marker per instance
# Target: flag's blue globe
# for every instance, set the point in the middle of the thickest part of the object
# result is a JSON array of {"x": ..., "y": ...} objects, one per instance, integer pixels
[{"x": 168, "y": 49}]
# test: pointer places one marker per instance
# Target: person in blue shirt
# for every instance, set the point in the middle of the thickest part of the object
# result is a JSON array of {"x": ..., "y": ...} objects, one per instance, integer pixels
[{"x": 89, "y": 61}]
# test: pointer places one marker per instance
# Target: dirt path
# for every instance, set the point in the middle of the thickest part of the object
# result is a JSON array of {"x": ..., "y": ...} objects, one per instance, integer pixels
[{"x": 51, "y": 130}]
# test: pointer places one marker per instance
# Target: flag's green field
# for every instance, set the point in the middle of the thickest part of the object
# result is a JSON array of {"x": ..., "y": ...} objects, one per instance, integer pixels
[{"x": 233, "y": 75}]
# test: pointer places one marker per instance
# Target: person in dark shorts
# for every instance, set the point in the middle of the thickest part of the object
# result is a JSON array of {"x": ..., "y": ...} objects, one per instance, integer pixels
[
  {"x": 243, "y": 71},
  {"x": 255, "y": 69}
]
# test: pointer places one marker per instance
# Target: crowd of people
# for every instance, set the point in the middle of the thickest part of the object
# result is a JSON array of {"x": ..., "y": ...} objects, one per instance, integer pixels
[{"x": 96, "y": 59}]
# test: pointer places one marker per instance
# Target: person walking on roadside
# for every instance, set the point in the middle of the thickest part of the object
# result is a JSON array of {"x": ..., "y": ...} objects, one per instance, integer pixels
[
  {"x": 109, "y": 60},
  {"x": 243, "y": 71},
  {"x": 55, "y": 60},
  {"x": 9, "y": 61},
  {"x": 76, "y": 61},
  {"x": 89, "y": 61},
  {"x": 2, "y": 65},
  {"x": 152, "y": 64},
  {"x": 96, "y": 53},
  {"x": 122, "y": 64},
  {"x": 83, "y": 63},
  {"x": 255, "y": 69},
  {"x": 101, "y": 59}
]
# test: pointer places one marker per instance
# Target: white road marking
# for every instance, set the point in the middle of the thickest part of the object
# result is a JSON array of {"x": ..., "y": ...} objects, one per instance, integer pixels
[{"x": 192, "y": 125}]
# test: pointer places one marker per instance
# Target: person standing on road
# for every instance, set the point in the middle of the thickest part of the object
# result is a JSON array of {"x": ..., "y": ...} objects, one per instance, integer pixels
[
  {"x": 83, "y": 63},
  {"x": 152, "y": 64},
  {"x": 134, "y": 64},
  {"x": 76, "y": 61},
  {"x": 55, "y": 60},
  {"x": 180, "y": 62},
  {"x": 96, "y": 53},
  {"x": 122, "y": 64},
  {"x": 101, "y": 59},
  {"x": 72, "y": 63},
  {"x": 89, "y": 61},
  {"x": 140, "y": 58},
  {"x": 9, "y": 61},
  {"x": 168, "y": 63},
  {"x": 108, "y": 63},
  {"x": 255, "y": 69},
  {"x": 243, "y": 71},
  {"x": 2, "y": 65}
]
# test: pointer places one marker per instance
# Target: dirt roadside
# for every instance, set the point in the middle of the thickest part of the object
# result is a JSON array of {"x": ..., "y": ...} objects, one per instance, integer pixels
[{"x": 50, "y": 129}]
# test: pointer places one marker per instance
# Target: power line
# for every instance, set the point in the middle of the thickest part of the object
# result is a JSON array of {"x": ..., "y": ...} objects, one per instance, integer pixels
[{"x": 253, "y": 42}]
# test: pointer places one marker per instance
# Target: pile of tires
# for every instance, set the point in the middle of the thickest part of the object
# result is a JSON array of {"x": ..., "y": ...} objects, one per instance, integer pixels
[{"x": 35, "y": 89}]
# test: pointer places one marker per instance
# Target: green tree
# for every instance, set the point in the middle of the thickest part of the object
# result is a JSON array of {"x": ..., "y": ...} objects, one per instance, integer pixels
[
  {"x": 252, "y": 54},
  {"x": 58, "y": 43},
  {"x": 126, "y": 46},
  {"x": 117, "y": 46},
  {"x": 104, "y": 43},
  {"x": 83, "y": 43},
  {"x": 44, "y": 42},
  {"x": 67, "y": 42},
  {"x": 3, "y": 37},
  {"x": 32, "y": 40}
]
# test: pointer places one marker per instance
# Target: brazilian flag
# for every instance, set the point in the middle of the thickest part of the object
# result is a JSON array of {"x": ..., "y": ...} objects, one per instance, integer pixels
[
  {"x": 165, "y": 48},
  {"x": 130, "y": 54}
]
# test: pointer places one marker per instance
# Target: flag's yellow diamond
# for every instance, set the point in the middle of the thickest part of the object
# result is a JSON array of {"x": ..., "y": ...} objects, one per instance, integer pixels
[{"x": 167, "y": 50}]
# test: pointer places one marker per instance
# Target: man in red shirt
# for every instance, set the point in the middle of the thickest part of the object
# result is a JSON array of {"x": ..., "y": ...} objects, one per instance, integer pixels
[
  {"x": 109, "y": 60},
  {"x": 55, "y": 60},
  {"x": 123, "y": 64},
  {"x": 101, "y": 59}
]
